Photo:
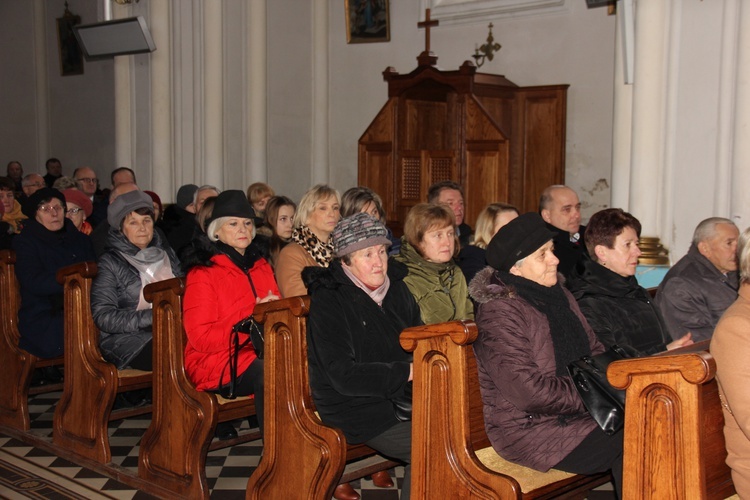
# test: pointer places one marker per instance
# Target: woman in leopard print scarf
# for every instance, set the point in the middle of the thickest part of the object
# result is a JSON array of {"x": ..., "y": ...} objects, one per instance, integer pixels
[{"x": 311, "y": 243}]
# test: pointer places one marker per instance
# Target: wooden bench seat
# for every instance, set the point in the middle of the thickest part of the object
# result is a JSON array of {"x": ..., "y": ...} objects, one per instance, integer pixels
[
  {"x": 674, "y": 440},
  {"x": 16, "y": 365},
  {"x": 91, "y": 383},
  {"x": 301, "y": 454},
  {"x": 173, "y": 450},
  {"x": 450, "y": 449}
]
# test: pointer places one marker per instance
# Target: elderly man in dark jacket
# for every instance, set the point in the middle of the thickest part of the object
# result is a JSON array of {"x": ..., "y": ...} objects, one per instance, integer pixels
[{"x": 703, "y": 284}]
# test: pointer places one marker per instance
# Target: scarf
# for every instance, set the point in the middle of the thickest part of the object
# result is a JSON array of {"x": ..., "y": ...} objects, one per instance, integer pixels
[
  {"x": 152, "y": 263},
  {"x": 321, "y": 252},
  {"x": 14, "y": 217},
  {"x": 244, "y": 262},
  {"x": 378, "y": 294},
  {"x": 569, "y": 338}
]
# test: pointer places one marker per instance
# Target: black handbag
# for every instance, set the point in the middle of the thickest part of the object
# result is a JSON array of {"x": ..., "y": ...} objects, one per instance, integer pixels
[
  {"x": 605, "y": 403},
  {"x": 402, "y": 404}
]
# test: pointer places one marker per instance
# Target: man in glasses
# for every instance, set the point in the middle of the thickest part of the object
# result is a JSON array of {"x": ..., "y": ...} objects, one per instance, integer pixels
[{"x": 89, "y": 184}]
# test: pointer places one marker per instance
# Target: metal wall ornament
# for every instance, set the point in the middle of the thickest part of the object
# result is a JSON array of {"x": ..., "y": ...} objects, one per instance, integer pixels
[{"x": 487, "y": 50}]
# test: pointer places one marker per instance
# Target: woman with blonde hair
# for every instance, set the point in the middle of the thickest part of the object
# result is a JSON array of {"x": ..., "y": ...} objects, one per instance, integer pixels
[
  {"x": 428, "y": 247},
  {"x": 471, "y": 258},
  {"x": 311, "y": 245},
  {"x": 730, "y": 347}
]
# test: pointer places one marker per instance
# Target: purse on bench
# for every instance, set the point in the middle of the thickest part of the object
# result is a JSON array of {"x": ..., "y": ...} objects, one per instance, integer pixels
[{"x": 605, "y": 403}]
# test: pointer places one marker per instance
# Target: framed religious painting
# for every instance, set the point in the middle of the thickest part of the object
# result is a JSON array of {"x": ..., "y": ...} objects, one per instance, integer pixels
[
  {"x": 71, "y": 56},
  {"x": 367, "y": 21}
]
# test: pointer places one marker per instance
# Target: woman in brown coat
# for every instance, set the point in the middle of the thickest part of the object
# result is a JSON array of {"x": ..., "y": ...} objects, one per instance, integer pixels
[
  {"x": 530, "y": 329},
  {"x": 730, "y": 346}
]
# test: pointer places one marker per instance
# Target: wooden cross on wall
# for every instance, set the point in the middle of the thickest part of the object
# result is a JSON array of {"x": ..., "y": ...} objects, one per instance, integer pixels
[{"x": 427, "y": 24}]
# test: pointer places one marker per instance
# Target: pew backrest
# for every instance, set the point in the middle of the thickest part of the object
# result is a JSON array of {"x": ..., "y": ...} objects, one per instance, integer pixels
[
  {"x": 448, "y": 433},
  {"x": 674, "y": 442},
  {"x": 301, "y": 454}
]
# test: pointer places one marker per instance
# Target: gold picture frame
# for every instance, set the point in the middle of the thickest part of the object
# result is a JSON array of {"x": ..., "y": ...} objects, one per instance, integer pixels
[{"x": 368, "y": 21}]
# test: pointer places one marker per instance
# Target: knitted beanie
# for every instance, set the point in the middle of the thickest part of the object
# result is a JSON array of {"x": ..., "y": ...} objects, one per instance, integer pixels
[{"x": 357, "y": 232}]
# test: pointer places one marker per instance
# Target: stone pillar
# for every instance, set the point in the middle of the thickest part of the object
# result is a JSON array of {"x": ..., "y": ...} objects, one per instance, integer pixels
[
  {"x": 320, "y": 156},
  {"x": 623, "y": 119},
  {"x": 740, "y": 201},
  {"x": 42, "y": 89},
  {"x": 649, "y": 195},
  {"x": 257, "y": 168},
  {"x": 162, "y": 152},
  {"x": 213, "y": 98}
]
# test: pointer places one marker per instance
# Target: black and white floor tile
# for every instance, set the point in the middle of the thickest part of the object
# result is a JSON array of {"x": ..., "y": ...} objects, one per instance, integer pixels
[{"x": 31, "y": 472}]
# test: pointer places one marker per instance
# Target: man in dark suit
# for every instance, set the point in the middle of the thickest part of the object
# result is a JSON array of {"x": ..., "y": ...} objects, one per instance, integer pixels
[{"x": 560, "y": 208}]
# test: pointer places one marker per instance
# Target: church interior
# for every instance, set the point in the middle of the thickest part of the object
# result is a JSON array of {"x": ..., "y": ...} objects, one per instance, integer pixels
[{"x": 635, "y": 104}]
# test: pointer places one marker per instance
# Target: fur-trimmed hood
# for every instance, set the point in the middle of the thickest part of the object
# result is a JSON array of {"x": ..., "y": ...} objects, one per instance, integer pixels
[
  {"x": 201, "y": 250},
  {"x": 487, "y": 286}
]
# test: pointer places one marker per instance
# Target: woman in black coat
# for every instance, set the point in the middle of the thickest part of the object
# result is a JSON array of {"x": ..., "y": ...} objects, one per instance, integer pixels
[
  {"x": 359, "y": 306},
  {"x": 47, "y": 243},
  {"x": 135, "y": 256},
  {"x": 618, "y": 309}
]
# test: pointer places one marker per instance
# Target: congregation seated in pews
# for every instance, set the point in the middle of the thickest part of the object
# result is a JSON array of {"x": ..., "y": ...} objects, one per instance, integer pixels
[{"x": 346, "y": 408}]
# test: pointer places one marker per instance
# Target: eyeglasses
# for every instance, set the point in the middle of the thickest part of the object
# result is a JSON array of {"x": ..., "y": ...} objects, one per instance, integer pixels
[
  {"x": 51, "y": 208},
  {"x": 36, "y": 184},
  {"x": 87, "y": 180},
  {"x": 73, "y": 211}
]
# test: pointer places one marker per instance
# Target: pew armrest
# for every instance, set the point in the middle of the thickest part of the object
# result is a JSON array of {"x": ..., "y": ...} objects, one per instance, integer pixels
[{"x": 674, "y": 442}]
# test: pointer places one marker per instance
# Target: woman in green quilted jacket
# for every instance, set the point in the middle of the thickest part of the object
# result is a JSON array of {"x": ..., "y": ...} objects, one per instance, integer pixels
[{"x": 428, "y": 247}]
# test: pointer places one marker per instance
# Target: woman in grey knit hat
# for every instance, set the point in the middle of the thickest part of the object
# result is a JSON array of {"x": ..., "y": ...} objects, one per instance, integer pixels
[{"x": 359, "y": 374}]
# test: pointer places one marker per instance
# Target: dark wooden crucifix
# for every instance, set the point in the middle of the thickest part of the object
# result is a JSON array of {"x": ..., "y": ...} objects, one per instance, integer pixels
[{"x": 427, "y": 57}]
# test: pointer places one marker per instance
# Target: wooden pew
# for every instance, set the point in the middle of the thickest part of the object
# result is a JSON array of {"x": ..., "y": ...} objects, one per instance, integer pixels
[
  {"x": 91, "y": 383},
  {"x": 173, "y": 449},
  {"x": 16, "y": 365},
  {"x": 300, "y": 454},
  {"x": 450, "y": 449},
  {"x": 674, "y": 440}
]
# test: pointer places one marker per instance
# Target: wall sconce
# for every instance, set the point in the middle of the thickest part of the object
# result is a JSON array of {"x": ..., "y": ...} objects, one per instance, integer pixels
[{"x": 487, "y": 50}]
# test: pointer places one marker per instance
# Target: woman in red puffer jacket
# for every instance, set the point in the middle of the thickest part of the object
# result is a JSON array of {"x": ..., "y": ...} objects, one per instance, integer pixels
[{"x": 226, "y": 278}]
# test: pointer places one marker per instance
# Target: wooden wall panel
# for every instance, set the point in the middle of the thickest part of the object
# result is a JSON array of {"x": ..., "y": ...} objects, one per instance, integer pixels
[{"x": 486, "y": 179}]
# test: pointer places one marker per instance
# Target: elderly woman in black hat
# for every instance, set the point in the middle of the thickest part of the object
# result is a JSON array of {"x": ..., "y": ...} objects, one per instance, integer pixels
[
  {"x": 530, "y": 330},
  {"x": 47, "y": 243},
  {"x": 226, "y": 277},
  {"x": 136, "y": 255},
  {"x": 359, "y": 306}
]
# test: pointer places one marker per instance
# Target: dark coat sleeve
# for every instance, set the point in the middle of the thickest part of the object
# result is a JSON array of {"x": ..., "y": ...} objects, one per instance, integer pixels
[{"x": 31, "y": 271}]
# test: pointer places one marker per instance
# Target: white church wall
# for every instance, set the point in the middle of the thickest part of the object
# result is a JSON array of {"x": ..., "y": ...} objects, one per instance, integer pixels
[
  {"x": 572, "y": 45},
  {"x": 69, "y": 117}
]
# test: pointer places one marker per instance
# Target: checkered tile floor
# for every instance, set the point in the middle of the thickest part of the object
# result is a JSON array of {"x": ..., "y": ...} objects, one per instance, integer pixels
[{"x": 227, "y": 469}]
